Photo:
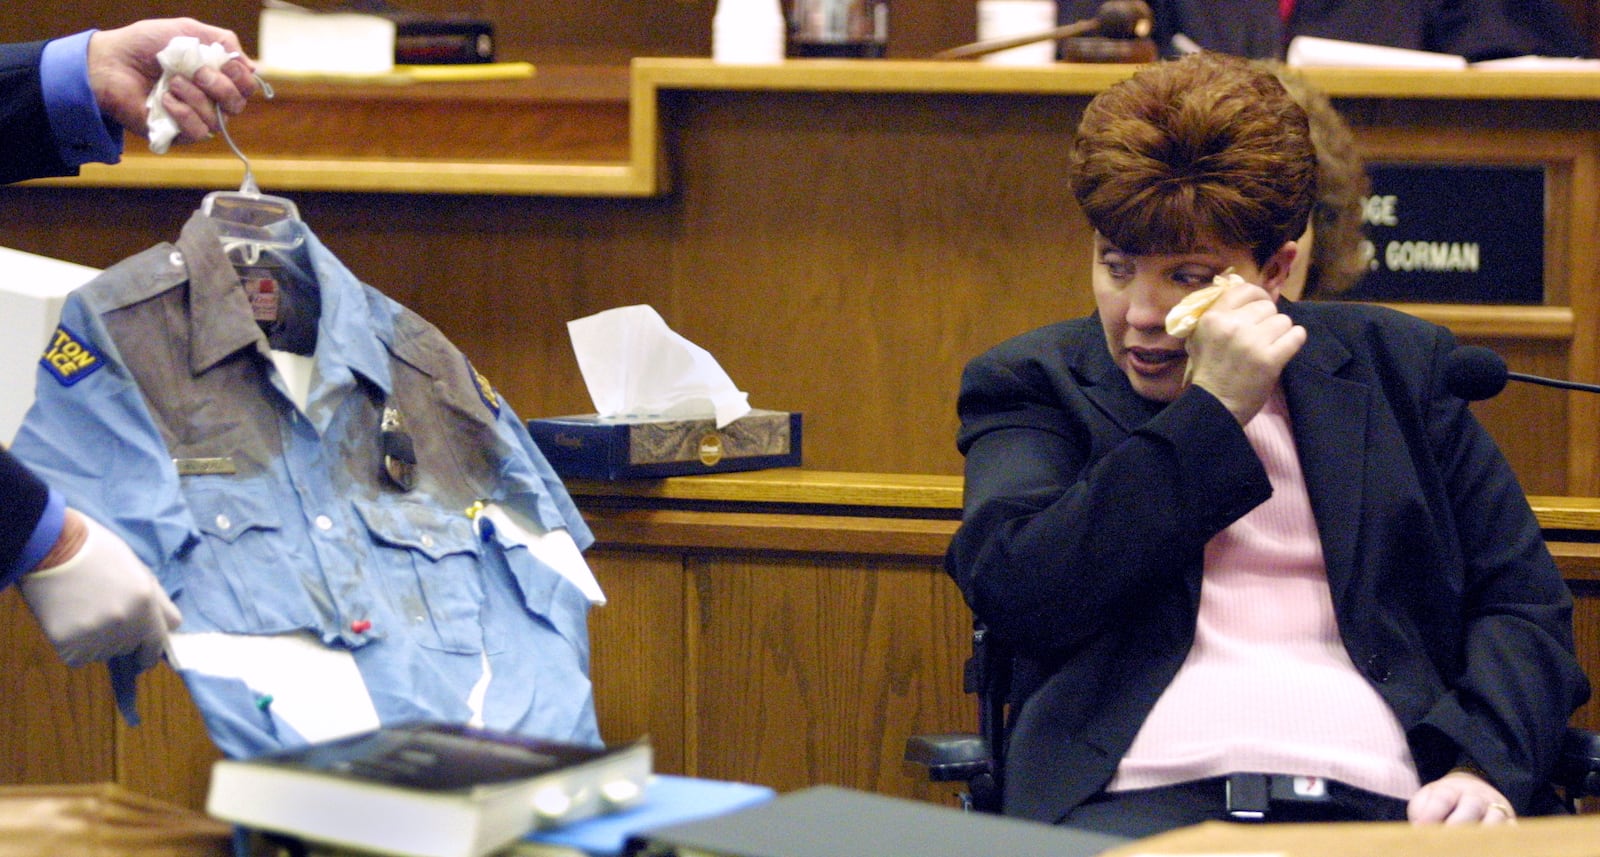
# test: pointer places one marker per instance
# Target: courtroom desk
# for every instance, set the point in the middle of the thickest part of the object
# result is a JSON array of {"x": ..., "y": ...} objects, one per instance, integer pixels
[
  {"x": 787, "y": 627},
  {"x": 1545, "y": 837}
]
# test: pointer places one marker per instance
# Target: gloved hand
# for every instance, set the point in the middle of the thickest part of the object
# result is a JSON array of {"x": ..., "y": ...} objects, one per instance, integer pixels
[{"x": 102, "y": 602}]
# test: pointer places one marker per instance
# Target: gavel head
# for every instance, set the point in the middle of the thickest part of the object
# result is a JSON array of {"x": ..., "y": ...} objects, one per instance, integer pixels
[{"x": 1125, "y": 19}]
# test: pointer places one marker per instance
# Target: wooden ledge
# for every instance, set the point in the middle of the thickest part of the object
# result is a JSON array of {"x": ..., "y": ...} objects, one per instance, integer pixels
[
  {"x": 793, "y": 510},
  {"x": 789, "y": 486},
  {"x": 1577, "y": 514},
  {"x": 599, "y": 131},
  {"x": 912, "y": 492}
]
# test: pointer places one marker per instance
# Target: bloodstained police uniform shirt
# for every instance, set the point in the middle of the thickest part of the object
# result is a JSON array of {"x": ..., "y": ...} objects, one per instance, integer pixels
[{"x": 282, "y": 510}]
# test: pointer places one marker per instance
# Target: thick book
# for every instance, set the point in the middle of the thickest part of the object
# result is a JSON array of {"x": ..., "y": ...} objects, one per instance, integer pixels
[
  {"x": 426, "y": 789},
  {"x": 828, "y": 821},
  {"x": 667, "y": 800}
]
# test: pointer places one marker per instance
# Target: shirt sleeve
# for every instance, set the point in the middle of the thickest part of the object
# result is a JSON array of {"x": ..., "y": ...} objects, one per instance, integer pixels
[
  {"x": 91, "y": 436},
  {"x": 83, "y": 134}
]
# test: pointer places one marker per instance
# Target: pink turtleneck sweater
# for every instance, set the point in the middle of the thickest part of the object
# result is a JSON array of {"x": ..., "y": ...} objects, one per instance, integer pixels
[{"x": 1268, "y": 686}]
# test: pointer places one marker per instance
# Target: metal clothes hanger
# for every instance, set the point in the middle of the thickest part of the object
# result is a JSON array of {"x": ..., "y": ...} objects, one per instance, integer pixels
[{"x": 245, "y": 217}]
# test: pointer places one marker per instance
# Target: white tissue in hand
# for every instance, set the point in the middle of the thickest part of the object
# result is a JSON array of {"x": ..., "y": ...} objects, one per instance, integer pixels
[
  {"x": 184, "y": 55},
  {"x": 636, "y": 366},
  {"x": 1182, "y": 319}
]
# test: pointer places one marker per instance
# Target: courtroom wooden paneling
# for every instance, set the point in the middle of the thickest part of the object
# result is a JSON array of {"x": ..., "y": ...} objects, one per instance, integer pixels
[
  {"x": 771, "y": 645},
  {"x": 843, "y": 254},
  {"x": 59, "y": 722},
  {"x": 640, "y": 652},
  {"x": 1553, "y": 453},
  {"x": 812, "y": 670},
  {"x": 168, "y": 754}
]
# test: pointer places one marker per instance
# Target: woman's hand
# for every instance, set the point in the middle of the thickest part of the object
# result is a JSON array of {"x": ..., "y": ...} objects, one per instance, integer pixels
[
  {"x": 1460, "y": 797},
  {"x": 1240, "y": 346}
]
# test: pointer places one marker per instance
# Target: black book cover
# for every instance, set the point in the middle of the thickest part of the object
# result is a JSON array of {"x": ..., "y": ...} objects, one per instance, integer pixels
[{"x": 436, "y": 756}]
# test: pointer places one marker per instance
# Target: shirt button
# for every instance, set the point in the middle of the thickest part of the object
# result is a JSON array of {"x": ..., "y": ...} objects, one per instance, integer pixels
[
  {"x": 175, "y": 258},
  {"x": 223, "y": 523},
  {"x": 427, "y": 540},
  {"x": 324, "y": 523}
]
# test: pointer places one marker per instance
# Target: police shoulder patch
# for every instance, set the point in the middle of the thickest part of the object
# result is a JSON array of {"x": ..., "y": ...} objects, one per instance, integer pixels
[
  {"x": 70, "y": 358},
  {"x": 485, "y": 389}
]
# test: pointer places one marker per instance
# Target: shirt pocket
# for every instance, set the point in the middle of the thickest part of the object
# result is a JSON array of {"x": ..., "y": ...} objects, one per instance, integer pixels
[
  {"x": 246, "y": 575},
  {"x": 428, "y": 561}
]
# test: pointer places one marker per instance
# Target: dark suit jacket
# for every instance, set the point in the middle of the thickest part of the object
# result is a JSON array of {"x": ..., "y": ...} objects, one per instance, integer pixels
[
  {"x": 1475, "y": 29},
  {"x": 22, "y": 501},
  {"x": 28, "y": 148},
  {"x": 1088, "y": 509}
]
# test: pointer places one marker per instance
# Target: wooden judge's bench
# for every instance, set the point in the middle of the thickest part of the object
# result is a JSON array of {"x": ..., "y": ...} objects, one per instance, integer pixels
[{"x": 843, "y": 236}]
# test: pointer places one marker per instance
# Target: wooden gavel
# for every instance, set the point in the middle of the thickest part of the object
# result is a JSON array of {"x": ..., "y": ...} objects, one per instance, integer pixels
[{"x": 1117, "y": 19}]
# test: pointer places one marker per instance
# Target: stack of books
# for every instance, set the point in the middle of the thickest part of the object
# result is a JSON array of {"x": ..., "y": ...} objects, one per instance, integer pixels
[{"x": 426, "y": 790}]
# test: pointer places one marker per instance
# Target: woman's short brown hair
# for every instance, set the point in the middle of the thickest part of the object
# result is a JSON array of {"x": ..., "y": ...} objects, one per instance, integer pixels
[{"x": 1208, "y": 147}]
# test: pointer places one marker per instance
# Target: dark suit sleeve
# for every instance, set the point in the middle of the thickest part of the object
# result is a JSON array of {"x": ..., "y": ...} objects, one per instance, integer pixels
[
  {"x": 28, "y": 148},
  {"x": 1056, "y": 494},
  {"x": 1492, "y": 29},
  {"x": 1475, "y": 29},
  {"x": 22, "y": 504},
  {"x": 1517, "y": 680}
]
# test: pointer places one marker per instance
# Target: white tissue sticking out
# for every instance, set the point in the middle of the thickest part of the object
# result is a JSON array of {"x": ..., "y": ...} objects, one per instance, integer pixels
[
  {"x": 635, "y": 366},
  {"x": 184, "y": 55}
]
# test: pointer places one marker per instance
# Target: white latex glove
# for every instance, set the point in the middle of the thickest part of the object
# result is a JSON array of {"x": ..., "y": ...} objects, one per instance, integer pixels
[{"x": 101, "y": 603}]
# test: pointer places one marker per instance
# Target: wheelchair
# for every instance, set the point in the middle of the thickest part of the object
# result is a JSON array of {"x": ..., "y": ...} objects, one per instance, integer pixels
[{"x": 1000, "y": 681}]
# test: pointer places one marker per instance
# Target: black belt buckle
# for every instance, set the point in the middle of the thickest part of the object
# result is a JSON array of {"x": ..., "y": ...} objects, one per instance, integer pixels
[{"x": 1248, "y": 796}]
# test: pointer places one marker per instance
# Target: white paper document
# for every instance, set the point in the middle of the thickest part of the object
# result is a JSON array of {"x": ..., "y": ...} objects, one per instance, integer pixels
[{"x": 1314, "y": 52}]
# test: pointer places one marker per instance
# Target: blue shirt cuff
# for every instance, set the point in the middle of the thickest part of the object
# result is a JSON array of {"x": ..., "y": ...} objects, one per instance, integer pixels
[
  {"x": 83, "y": 135},
  {"x": 44, "y": 537}
]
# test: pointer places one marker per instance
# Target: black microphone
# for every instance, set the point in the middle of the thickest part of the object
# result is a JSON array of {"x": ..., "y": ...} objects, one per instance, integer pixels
[{"x": 1475, "y": 373}]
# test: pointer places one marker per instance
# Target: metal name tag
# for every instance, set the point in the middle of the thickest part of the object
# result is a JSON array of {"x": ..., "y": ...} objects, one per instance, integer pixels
[{"x": 205, "y": 466}]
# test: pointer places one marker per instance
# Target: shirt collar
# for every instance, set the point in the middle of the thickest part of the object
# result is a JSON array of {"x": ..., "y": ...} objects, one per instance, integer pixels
[{"x": 349, "y": 335}]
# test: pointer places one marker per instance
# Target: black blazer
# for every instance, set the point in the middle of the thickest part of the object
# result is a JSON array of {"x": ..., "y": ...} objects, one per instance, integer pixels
[
  {"x": 27, "y": 150},
  {"x": 28, "y": 147},
  {"x": 1088, "y": 509},
  {"x": 1475, "y": 29},
  {"x": 22, "y": 502}
]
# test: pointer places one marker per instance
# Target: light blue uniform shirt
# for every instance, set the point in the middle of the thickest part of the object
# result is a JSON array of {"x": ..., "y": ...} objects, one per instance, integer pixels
[{"x": 161, "y": 414}]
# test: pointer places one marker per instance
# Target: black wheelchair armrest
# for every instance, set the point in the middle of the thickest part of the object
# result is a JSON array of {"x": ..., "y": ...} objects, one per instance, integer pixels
[
  {"x": 1578, "y": 769},
  {"x": 959, "y": 757},
  {"x": 950, "y": 756}
]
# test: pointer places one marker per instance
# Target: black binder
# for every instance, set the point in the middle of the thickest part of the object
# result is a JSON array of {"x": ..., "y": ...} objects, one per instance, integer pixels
[{"x": 827, "y": 821}]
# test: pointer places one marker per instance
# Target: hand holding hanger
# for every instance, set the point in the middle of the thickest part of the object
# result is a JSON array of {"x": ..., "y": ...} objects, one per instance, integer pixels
[
  {"x": 124, "y": 70},
  {"x": 244, "y": 217}
]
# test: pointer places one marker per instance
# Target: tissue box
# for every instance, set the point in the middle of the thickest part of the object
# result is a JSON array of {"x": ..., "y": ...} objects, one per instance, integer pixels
[{"x": 588, "y": 446}]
